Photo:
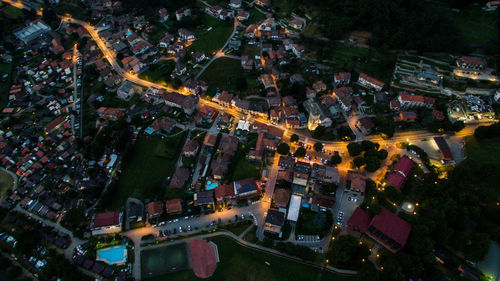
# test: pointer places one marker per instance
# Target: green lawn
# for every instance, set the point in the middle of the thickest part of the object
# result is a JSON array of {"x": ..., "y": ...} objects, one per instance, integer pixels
[
  {"x": 159, "y": 261},
  {"x": 250, "y": 50},
  {"x": 231, "y": 70},
  {"x": 6, "y": 183},
  {"x": 242, "y": 263},
  {"x": 12, "y": 12},
  {"x": 474, "y": 26},
  {"x": 151, "y": 162},
  {"x": 4, "y": 86},
  {"x": 210, "y": 41},
  {"x": 485, "y": 151},
  {"x": 255, "y": 16},
  {"x": 245, "y": 170},
  {"x": 159, "y": 72},
  {"x": 238, "y": 227}
]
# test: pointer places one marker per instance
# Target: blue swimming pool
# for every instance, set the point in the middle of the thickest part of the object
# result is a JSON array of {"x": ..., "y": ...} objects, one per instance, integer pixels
[
  {"x": 116, "y": 255},
  {"x": 211, "y": 185}
]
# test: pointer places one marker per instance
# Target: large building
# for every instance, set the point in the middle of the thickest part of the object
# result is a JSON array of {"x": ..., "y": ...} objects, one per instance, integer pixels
[
  {"x": 32, "y": 31},
  {"x": 385, "y": 228},
  {"x": 400, "y": 173},
  {"x": 317, "y": 115},
  {"x": 106, "y": 223}
]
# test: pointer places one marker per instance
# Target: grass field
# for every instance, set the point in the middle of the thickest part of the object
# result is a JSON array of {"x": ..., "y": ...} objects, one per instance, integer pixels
[
  {"x": 163, "y": 260},
  {"x": 159, "y": 72},
  {"x": 12, "y": 12},
  {"x": 484, "y": 151},
  {"x": 4, "y": 86},
  {"x": 151, "y": 162},
  {"x": 212, "y": 75},
  {"x": 241, "y": 263},
  {"x": 245, "y": 170},
  {"x": 211, "y": 41},
  {"x": 6, "y": 183}
]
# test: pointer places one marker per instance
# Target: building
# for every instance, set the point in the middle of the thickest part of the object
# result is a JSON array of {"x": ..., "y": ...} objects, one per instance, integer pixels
[
  {"x": 179, "y": 178},
  {"x": 472, "y": 64},
  {"x": 32, "y": 31},
  {"x": 400, "y": 173},
  {"x": 235, "y": 4},
  {"x": 204, "y": 198},
  {"x": 274, "y": 221},
  {"x": 365, "y": 125},
  {"x": 106, "y": 223},
  {"x": 344, "y": 97},
  {"x": 412, "y": 101},
  {"x": 281, "y": 197},
  {"x": 359, "y": 221},
  {"x": 444, "y": 148},
  {"x": 246, "y": 188},
  {"x": 126, "y": 91},
  {"x": 191, "y": 148},
  {"x": 342, "y": 78},
  {"x": 173, "y": 206},
  {"x": 294, "y": 209},
  {"x": 356, "y": 182},
  {"x": 224, "y": 192},
  {"x": 163, "y": 14},
  {"x": 286, "y": 163},
  {"x": 318, "y": 116},
  {"x": 370, "y": 82},
  {"x": 408, "y": 116},
  {"x": 155, "y": 209},
  {"x": 209, "y": 140},
  {"x": 389, "y": 230}
]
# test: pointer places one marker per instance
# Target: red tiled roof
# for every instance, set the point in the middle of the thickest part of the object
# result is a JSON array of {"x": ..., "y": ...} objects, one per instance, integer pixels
[
  {"x": 224, "y": 191},
  {"x": 106, "y": 219},
  {"x": 360, "y": 219},
  {"x": 173, "y": 206},
  {"x": 404, "y": 166},
  {"x": 392, "y": 226},
  {"x": 396, "y": 180},
  {"x": 155, "y": 208},
  {"x": 371, "y": 80}
]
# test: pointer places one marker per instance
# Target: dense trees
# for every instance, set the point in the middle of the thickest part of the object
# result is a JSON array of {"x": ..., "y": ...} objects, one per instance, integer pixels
[
  {"x": 294, "y": 138},
  {"x": 396, "y": 24},
  {"x": 318, "y": 146},
  {"x": 300, "y": 152},
  {"x": 491, "y": 131},
  {"x": 346, "y": 252},
  {"x": 336, "y": 159}
]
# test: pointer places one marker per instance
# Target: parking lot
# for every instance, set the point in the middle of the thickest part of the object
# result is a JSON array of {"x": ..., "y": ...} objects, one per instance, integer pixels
[
  {"x": 348, "y": 202},
  {"x": 308, "y": 238}
]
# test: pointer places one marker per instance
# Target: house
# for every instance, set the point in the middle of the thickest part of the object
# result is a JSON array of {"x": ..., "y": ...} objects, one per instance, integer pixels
[
  {"x": 54, "y": 124},
  {"x": 389, "y": 230},
  {"x": 163, "y": 14},
  {"x": 186, "y": 35},
  {"x": 224, "y": 192},
  {"x": 204, "y": 198},
  {"x": 365, "y": 125},
  {"x": 224, "y": 98},
  {"x": 266, "y": 80},
  {"x": 164, "y": 124},
  {"x": 57, "y": 47},
  {"x": 235, "y": 4},
  {"x": 245, "y": 188},
  {"x": 286, "y": 163},
  {"x": 179, "y": 178},
  {"x": 155, "y": 209},
  {"x": 181, "y": 13},
  {"x": 356, "y": 182},
  {"x": 344, "y": 97},
  {"x": 125, "y": 91},
  {"x": 199, "y": 56},
  {"x": 471, "y": 63},
  {"x": 263, "y": 3},
  {"x": 191, "y": 148},
  {"x": 412, "y": 101},
  {"x": 106, "y": 223},
  {"x": 322, "y": 203},
  {"x": 408, "y": 116},
  {"x": 319, "y": 86},
  {"x": 274, "y": 221},
  {"x": 297, "y": 24},
  {"x": 281, "y": 197},
  {"x": 370, "y": 82},
  {"x": 298, "y": 50},
  {"x": 166, "y": 40},
  {"x": 209, "y": 140},
  {"x": 134, "y": 210},
  {"x": 242, "y": 15},
  {"x": 173, "y": 206},
  {"x": 399, "y": 174},
  {"x": 359, "y": 221},
  {"x": 342, "y": 78}
]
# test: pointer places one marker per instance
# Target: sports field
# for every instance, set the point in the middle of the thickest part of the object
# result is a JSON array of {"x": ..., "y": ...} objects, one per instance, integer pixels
[{"x": 164, "y": 260}]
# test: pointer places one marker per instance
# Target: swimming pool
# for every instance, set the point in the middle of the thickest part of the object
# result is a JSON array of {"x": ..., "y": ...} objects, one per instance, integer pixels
[
  {"x": 211, "y": 185},
  {"x": 116, "y": 255}
]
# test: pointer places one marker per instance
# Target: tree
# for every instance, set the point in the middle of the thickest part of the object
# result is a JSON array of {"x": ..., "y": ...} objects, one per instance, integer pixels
[
  {"x": 478, "y": 247},
  {"x": 294, "y": 138},
  {"x": 300, "y": 152},
  {"x": 382, "y": 154},
  {"x": 318, "y": 146},
  {"x": 367, "y": 145},
  {"x": 346, "y": 252},
  {"x": 4, "y": 263},
  {"x": 336, "y": 159},
  {"x": 13, "y": 272},
  {"x": 354, "y": 149},
  {"x": 359, "y": 161},
  {"x": 241, "y": 83},
  {"x": 372, "y": 164},
  {"x": 283, "y": 148}
]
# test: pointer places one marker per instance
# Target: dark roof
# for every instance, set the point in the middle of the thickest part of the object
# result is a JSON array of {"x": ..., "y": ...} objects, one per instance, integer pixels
[
  {"x": 173, "y": 206},
  {"x": 275, "y": 217},
  {"x": 443, "y": 147},
  {"x": 281, "y": 197},
  {"x": 179, "y": 178},
  {"x": 360, "y": 219},
  {"x": 392, "y": 226},
  {"x": 106, "y": 219}
]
